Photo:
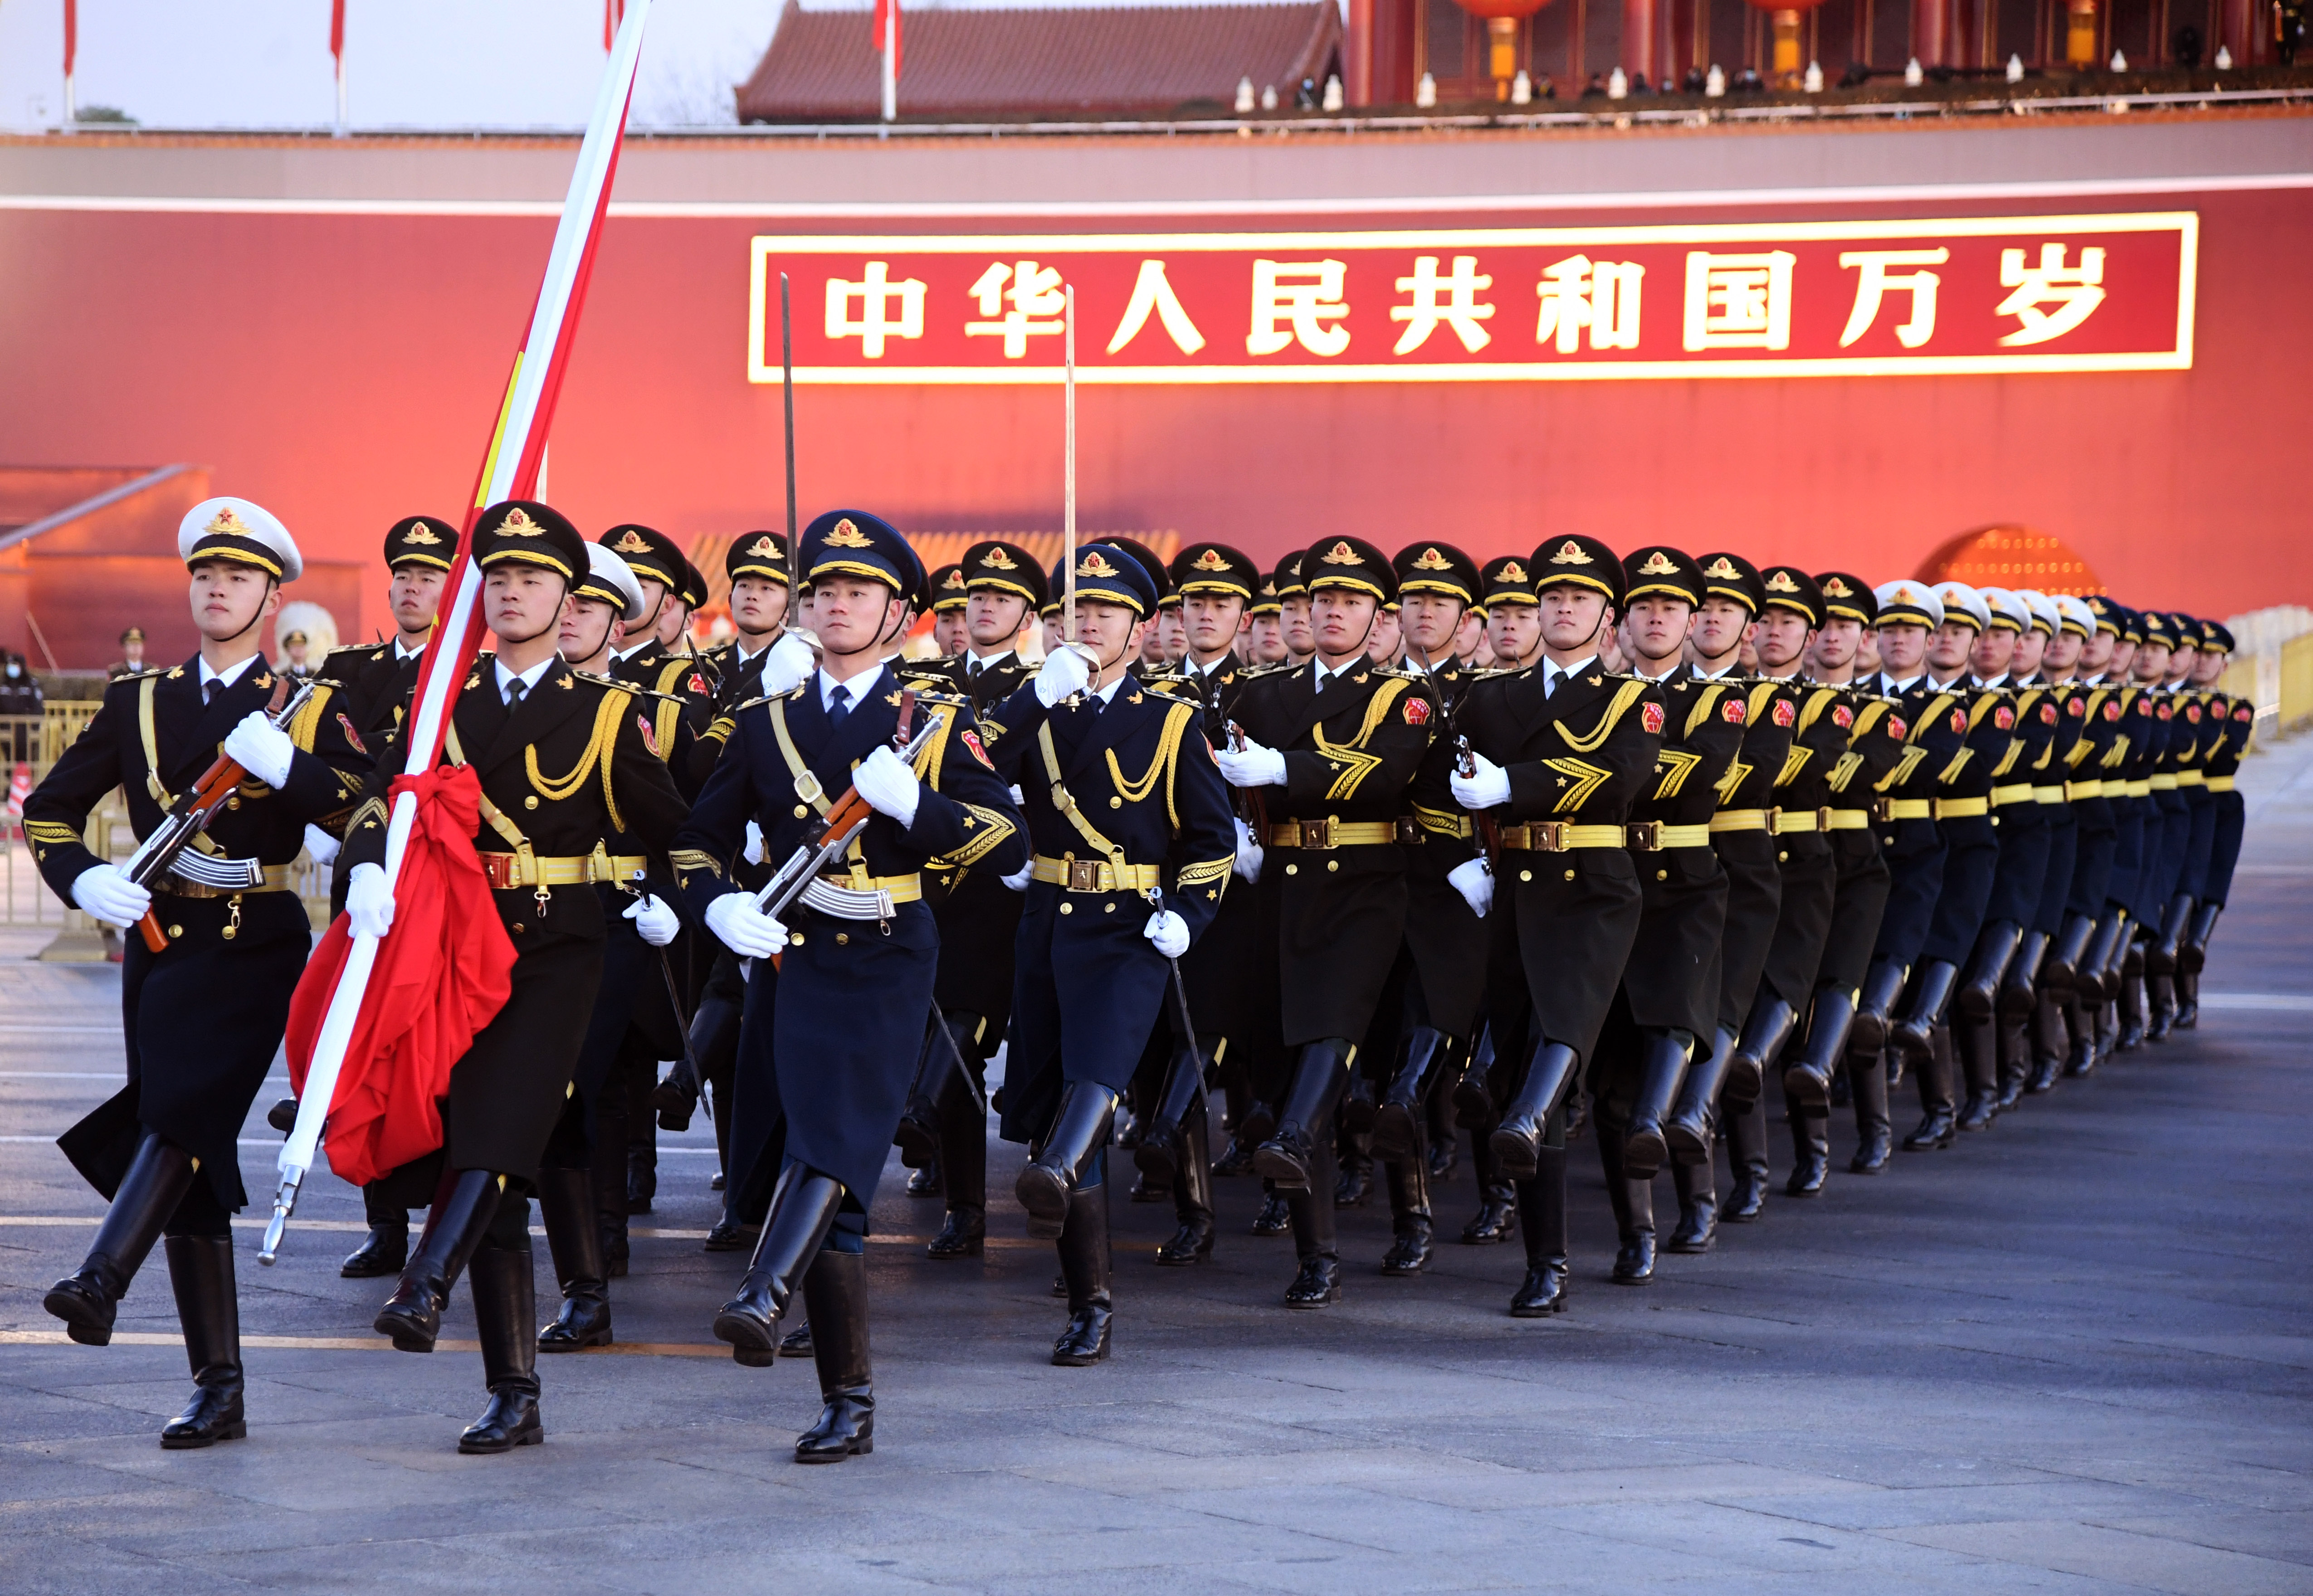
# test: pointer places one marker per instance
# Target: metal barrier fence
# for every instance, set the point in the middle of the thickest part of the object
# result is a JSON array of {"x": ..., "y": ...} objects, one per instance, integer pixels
[
  {"x": 2296, "y": 683},
  {"x": 29, "y": 746}
]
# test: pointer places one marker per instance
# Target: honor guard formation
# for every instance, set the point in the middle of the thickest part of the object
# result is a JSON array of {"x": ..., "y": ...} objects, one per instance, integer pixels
[{"x": 1402, "y": 858}]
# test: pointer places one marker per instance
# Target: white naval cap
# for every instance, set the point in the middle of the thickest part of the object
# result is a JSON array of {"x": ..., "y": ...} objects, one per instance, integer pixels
[
  {"x": 1959, "y": 599},
  {"x": 611, "y": 580},
  {"x": 2045, "y": 613},
  {"x": 231, "y": 528},
  {"x": 1908, "y": 603},
  {"x": 2007, "y": 609},
  {"x": 2078, "y": 618}
]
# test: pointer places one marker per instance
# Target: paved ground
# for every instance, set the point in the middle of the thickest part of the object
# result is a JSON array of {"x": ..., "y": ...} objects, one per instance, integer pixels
[{"x": 2072, "y": 1355}]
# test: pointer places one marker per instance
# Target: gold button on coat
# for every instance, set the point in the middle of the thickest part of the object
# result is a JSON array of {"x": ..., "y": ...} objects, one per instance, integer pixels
[
  {"x": 531, "y": 802},
  {"x": 1067, "y": 908}
]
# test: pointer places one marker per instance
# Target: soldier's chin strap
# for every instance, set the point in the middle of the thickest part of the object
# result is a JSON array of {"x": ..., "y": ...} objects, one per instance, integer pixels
[{"x": 257, "y": 620}]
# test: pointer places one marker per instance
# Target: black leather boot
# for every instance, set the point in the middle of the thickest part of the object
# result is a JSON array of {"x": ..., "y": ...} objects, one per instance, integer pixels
[
  {"x": 835, "y": 1296},
  {"x": 1275, "y": 1215},
  {"x": 2132, "y": 999},
  {"x": 803, "y": 1210},
  {"x": 1159, "y": 1154},
  {"x": 963, "y": 1171},
  {"x": 925, "y": 1182},
  {"x": 157, "y": 1180},
  {"x": 1867, "y": 1079},
  {"x": 1766, "y": 1030},
  {"x": 2167, "y": 943},
  {"x": 797, "y": 1342},
  {"x": 1633, "y": 1205},
  {"x": 1938, "y": 1083},
  {"x": 2107, "y": 1031},
  {"x": 1085, "y": 1264},
  {"x": 1401, "y": 1121},
  {"x": 2098, "y": 977},
  {"x": 2193, "y": 952},
  {"x": 1192, "y": 1196},
  {"x": 1746, "y": 1152},
  {"x": 2015, "y": 1053},
  {"x": 2019, "y": 988},
  {"x": 506, "y": 1307},
  {"x": 1808, "y": 1078},
  {"x": 1978, "y": 993},
  {"x": 2050, "y": 1041},
  {"x": 1354, "y": 1184},
  {"x": 1477, "y": 1104},
  {"x": 610, "y": 1180},
  {"x": 386, "y": 1248},
  {"x": 200, "y": 1269},
  {"x": 2080, "y": 1029},
  {"x": 2188, "y": 999},
  {"x": 1080, "y": 1128},
  {"x": 1541, "y": 1204},
  {"x": 1976, "y": 1041},
  {"x": 2160, "y": 996},
  {"x": 565, "y": 1207},
  {"x": 1662, "y": 1071},
  {"x": 1408, "y": 1179},
  {"x": 1929, "y": 996},
  {"x": 1305, "y": 1117},
  {"x": 642, "y": 1170},
  {"x": 1875, "y": 1006},
  {"x": 1516, "y": 1142},
  {"x": 1317, "y": 1283},
  {"x": 1697, "y": 1185},
  {"x": 1361, "y": 1097},
  {"x": 1810, "y": 1148},
  {"x": 917, "y": 1133},
  {"x": 2070, "y": 949},
  {"x": 464, "y": 1206},
  {"x": 1693, "y": 1128},
  {"x": 1496, "y": 1217}
]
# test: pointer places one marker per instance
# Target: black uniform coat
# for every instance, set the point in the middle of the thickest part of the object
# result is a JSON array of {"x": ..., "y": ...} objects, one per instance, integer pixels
[
  {"x": 1671, "y": 981},
  {"x": 1088, "y": 985},
  {"x": 853, "y": 995},
  {"x": 979, "y": 915},
  {"x": 2222, "y": 764},
  {"x": 1810, "y": 883},
  {"x": 2205, "y": 716},
  {"x": 569, "y": 767},
  {"x": 1754, "y": 877},
  {"x": 2068, "y": 702},
  {"x": 1446, "y": 942},
  {"x": 1971, "y": 842},
  {"x": 202, "y": 1018},
  {"x": 2178, "y": 737},
  {"x": 1913, "y": 849},
  {"x": 374, "y": 684},
  {"x": 1562, "y": 923},
  {"x": 2126, "y": 762},
  {"x": 1350, "y": 752},
  {"x": 2022, "y": 826},
  {"x": 681, "y": 710},
  {"x": 1875, "y": 749}
]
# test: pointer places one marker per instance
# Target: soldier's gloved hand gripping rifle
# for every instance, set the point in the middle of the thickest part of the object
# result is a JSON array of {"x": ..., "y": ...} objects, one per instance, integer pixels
[{"x": 190, "y": 815}]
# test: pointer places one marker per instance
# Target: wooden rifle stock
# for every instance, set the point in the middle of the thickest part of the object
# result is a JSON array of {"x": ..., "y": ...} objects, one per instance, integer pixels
[
  {"x": 849, "y": 812},
  {"x": 190, "y": 815}
]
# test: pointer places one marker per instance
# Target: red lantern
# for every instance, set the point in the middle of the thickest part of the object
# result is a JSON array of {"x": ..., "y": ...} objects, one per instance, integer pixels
[
  {"x": 1502, "y": 18},
  {"x": 1784, "y": 18}
]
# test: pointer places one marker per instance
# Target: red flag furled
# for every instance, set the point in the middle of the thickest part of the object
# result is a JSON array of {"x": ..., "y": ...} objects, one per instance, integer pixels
[
  {"x": 361, "y": 1060},
  {"x": 72, "y": 34},
  {"x": 614, "y": 12},
  {"x": 440, "y": 977},
  {"x": 338, "y": 30},
  {"x": 887, "y": 15}
]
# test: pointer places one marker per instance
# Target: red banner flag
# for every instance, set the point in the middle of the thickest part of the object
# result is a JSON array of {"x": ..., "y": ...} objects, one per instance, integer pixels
[
  {"x": 72, "y": 33},
  {"x": 338, "y": 29},
  {"x": 887, "y": 16}
]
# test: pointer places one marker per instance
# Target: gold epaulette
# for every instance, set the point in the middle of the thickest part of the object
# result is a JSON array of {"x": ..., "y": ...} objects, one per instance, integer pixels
[
  {"x": 139, "y": 675},
  {"x": 1170, "y": 686},
  {"x": 625, "y": 687}
]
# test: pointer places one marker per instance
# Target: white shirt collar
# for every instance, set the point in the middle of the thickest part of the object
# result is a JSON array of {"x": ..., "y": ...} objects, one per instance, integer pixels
[
  {"x": 860, "y": 686},
  {"x": 1553, "y": 671},
  {"x": 1639, "y": 668},
  {"x": 1726, "y": 669},
  {"x": 229, "y": 675},
  {"x": 628, "y": 653},
  {"x": 1905, "y": 685},
  {"x": 1107, "y": 695},
  {"x": 529, "y": 678},
  {"x": 401, "y": 653},
  {"x": 2000, "y": 680},
  {"x": 1325, "y": 673},
  {"x": 972, "y": 658}
]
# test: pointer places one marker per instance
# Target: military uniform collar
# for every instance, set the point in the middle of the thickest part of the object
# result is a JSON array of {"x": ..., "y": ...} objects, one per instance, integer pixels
[{"x": 226, "y": 677}]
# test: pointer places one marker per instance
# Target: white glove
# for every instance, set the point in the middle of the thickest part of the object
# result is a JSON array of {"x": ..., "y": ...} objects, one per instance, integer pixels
[
  {"x": 1248, "y": 853},
  {"x": 369, "y": 901},
  {"x": 104, "y": 893},
  {"x": 1490, "y": 788},
  {"x": 1476, "y": 883},
  {"x": 786, "y": 666},
  {"x": 1169, "y": 932},
  {"x": 753, "y": 852},
  {"x": 746, "y": 930},
  {"x": 655, "y": 919},
  {"x": 320, "y": 845},
  {"x": 260, "y": 748},
  {"x": 1253, "y": 766},
  {"x": 1064, "y": 675},
  {"x": 889, "y": 787},
  {"x": 1019, "y": 879}
]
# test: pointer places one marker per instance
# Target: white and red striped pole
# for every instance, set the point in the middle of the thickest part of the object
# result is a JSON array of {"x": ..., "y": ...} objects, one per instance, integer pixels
[
  {"x": 338, "y": 54},
  {"x": 509, "y": 471},
  {"x": 72, "y": 49}
]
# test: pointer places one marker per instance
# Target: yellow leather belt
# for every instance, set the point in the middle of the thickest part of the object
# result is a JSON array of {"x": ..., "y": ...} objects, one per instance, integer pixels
[
  {"x": 2075, "y": 790},
  {"x": 2140, "y": 789},
  {"x": 2219, "y": 784},
  {"x": 277, "y": 879},
  {"x": 1850, "y": 819},
  {"x": 2054, "y": 795},
  {"x": 506, "y": 872},
  {"x": 1558, "y": 836},
  {"x": 1789, "y": 820},
  {"x": 1330, "y": 833},
  {"x": 2018, "y": 793},
  {"x": 1652, "y": 836},
  {"x": 1745, "y": 820},
  {"x": 1961, "y": 808},
  {"x": 1906, "y": 808},
  {"x": 2160, "y": 783},
  {"x": 2192, "y": 778},
  {"x": 1097, "y": 875}
]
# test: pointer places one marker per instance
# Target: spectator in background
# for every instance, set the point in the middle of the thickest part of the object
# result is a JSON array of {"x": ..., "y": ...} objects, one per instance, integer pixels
[
  {"x": 294, "y": 649},
  {"x": 132, "y": 654}
]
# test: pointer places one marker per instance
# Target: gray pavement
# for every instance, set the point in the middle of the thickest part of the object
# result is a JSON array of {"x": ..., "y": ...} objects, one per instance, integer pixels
[{"x": 2072, "y": 1354}]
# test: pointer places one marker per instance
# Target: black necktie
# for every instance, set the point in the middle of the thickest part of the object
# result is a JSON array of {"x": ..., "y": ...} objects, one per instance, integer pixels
[
  {"x": 839, "y": 705},
  {"x": 209, "y": 691},
  {"x": 515, "y": 687},
  {"x": 971, "y": 670}
]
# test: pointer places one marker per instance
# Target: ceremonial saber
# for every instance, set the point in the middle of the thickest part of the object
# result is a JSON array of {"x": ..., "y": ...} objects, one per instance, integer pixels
[
  {"x": 510, "y": 467},
  {"x": 1068, "y": 478}
]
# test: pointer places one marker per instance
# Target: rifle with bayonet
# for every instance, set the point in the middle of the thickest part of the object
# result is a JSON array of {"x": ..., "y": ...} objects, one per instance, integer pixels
[{"x": 826, "y": 838}]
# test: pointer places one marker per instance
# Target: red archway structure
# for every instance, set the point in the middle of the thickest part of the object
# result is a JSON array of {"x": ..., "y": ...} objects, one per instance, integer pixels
[{"x": 2011, "y": 557}]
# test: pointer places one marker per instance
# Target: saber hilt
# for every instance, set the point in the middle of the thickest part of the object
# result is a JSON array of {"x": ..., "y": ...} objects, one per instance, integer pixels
[{"x": 284, "y": 1203}]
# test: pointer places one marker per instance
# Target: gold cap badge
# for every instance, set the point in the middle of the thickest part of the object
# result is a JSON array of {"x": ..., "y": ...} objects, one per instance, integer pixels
[
  {"x": 847, "y": 536},
  {"x": 1431, "y": 560},
  {"x": 1511, "y": 571},
  {"x": 518, "y": 524},
  {"x": 1781, "y": 582},
  {"x": 420, "y": 533},
  {"x": 1836, "y": 589},
  {"x": 1212, "y": 559},
  {"x": 764, "y": 548},
  {"x": 631, "y": 542},
  {"x": 1658, "y": 564},
  {"x": 1569, "y": 553},
  {"x": 954, "y": 579},
  {"x": 1094, "y": 563},
  {"x": 996, "y": 559},
  {"x": 1722, "y": 569},
  {"x": 1341, "y": 553},
  {"x": 227, "y": 524}
]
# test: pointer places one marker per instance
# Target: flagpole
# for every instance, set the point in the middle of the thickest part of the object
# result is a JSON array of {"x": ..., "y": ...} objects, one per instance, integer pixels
[
  {"x": 72, "y": 49},
  {"x": 891, "y": 59},
  {"x": 510, "y": 468},
  {"x": 1069, "y": 470},
  {"x": 338, "y": 53},
  {"x": 786, "y": 381}
]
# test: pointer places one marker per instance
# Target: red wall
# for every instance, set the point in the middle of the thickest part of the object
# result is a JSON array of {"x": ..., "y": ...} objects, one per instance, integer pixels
[{"x": 344, "y": 370}]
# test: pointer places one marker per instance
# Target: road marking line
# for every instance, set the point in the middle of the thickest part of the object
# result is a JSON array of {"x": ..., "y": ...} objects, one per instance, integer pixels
[
  {"x": 2295, "y": 1003},
  {"x": 663, "y": 1349},
  {"x": 353, "y": 1226}
]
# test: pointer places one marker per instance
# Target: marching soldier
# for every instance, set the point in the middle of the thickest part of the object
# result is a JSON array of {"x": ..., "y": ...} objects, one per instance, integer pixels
[
  {"x": 1262, "y": 641},
  {"x": 944, "y": 1127},
  {"x": 1669, "y": 997},
  {"x": 294, "y": 665},
  {"x": 1293, "y": 609},
  {"x": 131, "y": 661},
  {"x": 203, "y": 1016},
  {"x": 761, "y": 593},
  {"x": 1331, "y": 746},
  {"x": 2075, "y": 965},
  {"x": 1132, "y": 849},
  {"x": 565, "y": 764},
  {"x": 1513, "y": 623},
  {"x": 1560, "y": 752},
  {"x": 2189, "y": 824},
  {"x": 2031, "y": 1014},
  {"x": 859, "y": 950},
  {"x": 2220, "y": 761},
  {"x": 949, "y": 600}
]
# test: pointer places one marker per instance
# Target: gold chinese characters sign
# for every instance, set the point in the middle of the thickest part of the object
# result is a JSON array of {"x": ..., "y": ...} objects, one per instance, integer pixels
[{"x": 1814, "y": 299}]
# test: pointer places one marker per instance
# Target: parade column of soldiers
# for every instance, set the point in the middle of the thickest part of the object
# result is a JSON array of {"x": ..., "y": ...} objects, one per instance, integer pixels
[{"x": 1375, "y": 848}]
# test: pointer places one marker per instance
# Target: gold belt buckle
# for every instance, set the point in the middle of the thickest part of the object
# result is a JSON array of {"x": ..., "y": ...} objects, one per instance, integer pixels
[
  {"x": 1646, "y": 836},
  {"x": 1317, "y": 834},
  {"x": 1409, "y": 830},
  {"x": 1883, "y": 810},
  {"x": 1774, "y": 818},
  {"x": 1823, "y": 819},
  {"x": 1084, "y": 876},
  {"x": 1548, "y": 836}
]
